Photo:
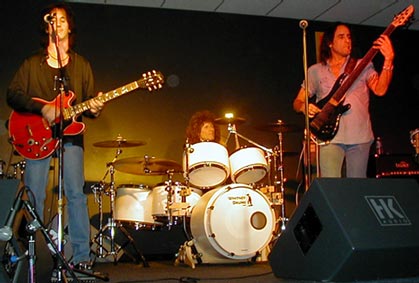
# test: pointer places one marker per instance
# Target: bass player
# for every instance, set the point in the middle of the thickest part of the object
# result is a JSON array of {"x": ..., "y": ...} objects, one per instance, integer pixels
[{"x": 354, "y": 135}]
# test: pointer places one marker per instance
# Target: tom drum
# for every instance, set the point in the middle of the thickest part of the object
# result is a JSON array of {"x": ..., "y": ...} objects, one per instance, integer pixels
[
  {"x": 133, "y": 204},
  {"x": 248, "y": 165},
  {"x": 208, "y": 164}
]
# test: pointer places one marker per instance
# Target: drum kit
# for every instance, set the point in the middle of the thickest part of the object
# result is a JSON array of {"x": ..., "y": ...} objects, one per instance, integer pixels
[{"x": 222, "y": 222}]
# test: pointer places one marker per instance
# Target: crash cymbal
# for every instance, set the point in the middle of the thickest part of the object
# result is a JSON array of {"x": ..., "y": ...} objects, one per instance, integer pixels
[
  {"x": 147, "y": 166},
  {"x": 226, "y": 121},
  {"x": 119, "y": 143},
  {"x": 279, "y": 127}
]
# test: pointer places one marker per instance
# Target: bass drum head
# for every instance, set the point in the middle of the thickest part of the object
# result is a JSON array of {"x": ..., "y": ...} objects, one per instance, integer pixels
[{"x": 234, "y": 220}]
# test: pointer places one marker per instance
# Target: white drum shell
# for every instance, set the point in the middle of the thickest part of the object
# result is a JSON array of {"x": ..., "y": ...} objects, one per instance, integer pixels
[
  {"x": 232, "y": 222},
  {"x": 133, "y": 204},
  {"x": 208, "y": 164},
  {"x": 159, "y": 197},
  {"x": 248, "y": 165}
]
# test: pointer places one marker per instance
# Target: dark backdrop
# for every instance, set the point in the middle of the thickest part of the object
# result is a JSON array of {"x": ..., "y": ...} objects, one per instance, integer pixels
[{"x": 249, "y": 65}]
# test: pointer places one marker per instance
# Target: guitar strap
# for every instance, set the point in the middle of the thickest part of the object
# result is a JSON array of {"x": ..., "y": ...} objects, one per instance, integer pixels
[{"x": 350, "y": 66}]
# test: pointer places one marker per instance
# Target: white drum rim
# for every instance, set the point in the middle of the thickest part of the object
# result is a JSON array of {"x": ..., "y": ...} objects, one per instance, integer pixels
[
  {"x": 256, "y": 166},
  {"x": 198, "y": 164}
]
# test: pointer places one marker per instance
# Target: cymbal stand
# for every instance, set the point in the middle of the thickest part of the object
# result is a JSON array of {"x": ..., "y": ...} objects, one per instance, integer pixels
[
  {"x": 100, "y": 188},
  {"x": 169, "y": 202},
  {"x": 187, "y": 252},
  {"x": 280, "y": 168},
  {"x": 112, "y": 225}
]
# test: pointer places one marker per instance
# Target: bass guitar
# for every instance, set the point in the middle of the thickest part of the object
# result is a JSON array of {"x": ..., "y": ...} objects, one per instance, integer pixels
[
  {"x": 32, "y": 136},
  {"x": 325, "y": 124}
]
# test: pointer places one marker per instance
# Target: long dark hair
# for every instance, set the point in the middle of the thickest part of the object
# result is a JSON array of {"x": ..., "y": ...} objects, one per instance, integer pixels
[
  {"x": 193, "y": 131},
  {"x": 43, "y": 27},
  {"x": 327, "y": 39}
]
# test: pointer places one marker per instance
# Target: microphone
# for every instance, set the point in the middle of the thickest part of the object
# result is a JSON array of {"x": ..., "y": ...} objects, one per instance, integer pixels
[
  {"x": 303, "y": 24},
  {"x": 49, "y": 17},
  {"x": 6, "y": 232}
]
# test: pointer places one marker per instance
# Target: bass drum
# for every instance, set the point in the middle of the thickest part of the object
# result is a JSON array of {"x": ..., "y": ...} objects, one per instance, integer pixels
[
  {"x": 133, "y": 205},
  {"x": 233, "y": 222}
]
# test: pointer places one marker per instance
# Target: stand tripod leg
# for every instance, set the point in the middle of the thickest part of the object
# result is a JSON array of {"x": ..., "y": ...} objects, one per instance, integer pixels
[
  {"x": 115, "y": 248},
  {"x": 130, "y": 240},
  {"x": 37, "y": 225}
]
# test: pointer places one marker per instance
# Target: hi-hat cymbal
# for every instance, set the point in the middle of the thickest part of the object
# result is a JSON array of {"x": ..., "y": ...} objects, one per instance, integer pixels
[
  {"x": 226, "y": 121},
  {"x": 119, "y": 143},
  {"x": 147, "y": 166},
  {"x": 279, "y": 127}
]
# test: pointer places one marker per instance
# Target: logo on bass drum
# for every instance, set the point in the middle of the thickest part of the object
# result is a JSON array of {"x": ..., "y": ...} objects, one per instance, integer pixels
[{"x": 245, "y": 200}]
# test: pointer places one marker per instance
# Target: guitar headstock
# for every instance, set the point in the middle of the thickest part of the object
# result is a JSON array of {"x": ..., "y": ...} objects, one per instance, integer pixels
[
  {"x": 403, "y": 17},
  {"x": 152, "y": 80}
]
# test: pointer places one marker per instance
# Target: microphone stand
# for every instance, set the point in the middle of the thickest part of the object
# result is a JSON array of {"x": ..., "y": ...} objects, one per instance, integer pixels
[
  {"x": 59, "y": 134},
  {"x": 307, "y": 162}
]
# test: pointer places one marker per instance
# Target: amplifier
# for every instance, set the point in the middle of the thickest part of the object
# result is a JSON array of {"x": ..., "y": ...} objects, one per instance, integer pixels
[{"x": 393, "y": 165}]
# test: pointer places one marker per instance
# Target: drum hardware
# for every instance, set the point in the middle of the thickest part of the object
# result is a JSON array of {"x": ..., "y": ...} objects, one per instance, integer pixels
[
  {"x": 278, "y": 166},
  {"x": 187, "y": 252},
  {"x": 18, "y": 170},
  {"x": 188, "y": 255},
  {"x": 112, "y": 225}
]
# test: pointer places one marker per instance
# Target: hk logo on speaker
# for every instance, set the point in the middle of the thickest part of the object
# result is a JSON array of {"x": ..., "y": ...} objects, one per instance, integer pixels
[{"x": 387, "y": 210}]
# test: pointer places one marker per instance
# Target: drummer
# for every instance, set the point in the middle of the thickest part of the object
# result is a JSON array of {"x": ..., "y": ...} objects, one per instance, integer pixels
[{"x": 202, "y": 127}]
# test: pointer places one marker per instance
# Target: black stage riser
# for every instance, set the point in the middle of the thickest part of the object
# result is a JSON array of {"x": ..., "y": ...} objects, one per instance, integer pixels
[{"x": 351, "y": 229}]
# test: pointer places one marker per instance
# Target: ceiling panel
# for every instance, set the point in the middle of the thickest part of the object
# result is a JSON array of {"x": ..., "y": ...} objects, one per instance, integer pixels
[
  {"x": 365, "y": 12},
  {"x": 248, "y": 7}
]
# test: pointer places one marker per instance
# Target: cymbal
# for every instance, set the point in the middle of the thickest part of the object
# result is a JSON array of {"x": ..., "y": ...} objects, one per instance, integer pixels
[
  {"x": 279, "y": 127},
  {"x": 226, "y": 121},
  {"x": 119, "y": 143},
  {"x": 147, "y": 166}
]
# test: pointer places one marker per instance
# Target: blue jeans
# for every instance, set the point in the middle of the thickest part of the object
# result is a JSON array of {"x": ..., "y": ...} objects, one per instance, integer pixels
[
  {"x": 36, "y": 179},
  {"x": 333, "y": 155}
]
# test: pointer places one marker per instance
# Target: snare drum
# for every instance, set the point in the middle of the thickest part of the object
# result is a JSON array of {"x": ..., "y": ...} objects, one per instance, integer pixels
[
  {"x": 208, "y": 164},
  {"x": 159, "y": 197},
  {"x": 248, "y": 165},
  {"x": 233, "y": 222},
  {"x": 133, "y": 205}
]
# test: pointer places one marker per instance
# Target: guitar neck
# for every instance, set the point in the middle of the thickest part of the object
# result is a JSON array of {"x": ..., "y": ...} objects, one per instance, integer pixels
[
  {"x": 77, "y": 109},
  {"x": 339, "y": 94}
]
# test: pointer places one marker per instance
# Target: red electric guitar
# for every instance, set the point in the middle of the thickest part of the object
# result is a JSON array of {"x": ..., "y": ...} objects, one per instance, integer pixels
[{"x": 32, "y": 136}]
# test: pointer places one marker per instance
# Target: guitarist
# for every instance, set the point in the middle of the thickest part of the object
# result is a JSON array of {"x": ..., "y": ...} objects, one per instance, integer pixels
[
  {"x": 354, "y": 136},
  {"x": 36, "y": 77}
]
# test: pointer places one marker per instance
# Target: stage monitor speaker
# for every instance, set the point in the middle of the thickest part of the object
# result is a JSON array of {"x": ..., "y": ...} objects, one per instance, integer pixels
[{"x": 351, "y": 229}]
